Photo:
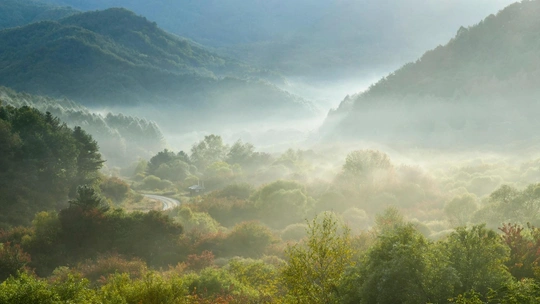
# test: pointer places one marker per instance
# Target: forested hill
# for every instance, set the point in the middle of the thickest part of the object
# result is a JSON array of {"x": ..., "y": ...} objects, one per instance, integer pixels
[
  {"x": 22, "y": 12},
  {"x": 115, "y": 58},
  {"x": 122, "y": 139},
  {"x": 484, "y": 82},
  {"x": 311, "y": 38}
]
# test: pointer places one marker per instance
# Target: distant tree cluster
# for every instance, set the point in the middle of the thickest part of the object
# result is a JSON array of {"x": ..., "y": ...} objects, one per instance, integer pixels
[
  {"x": 18, "y": 13},
  {"x": 211, "y": 161},
  {"x": 122, "y": 139}
]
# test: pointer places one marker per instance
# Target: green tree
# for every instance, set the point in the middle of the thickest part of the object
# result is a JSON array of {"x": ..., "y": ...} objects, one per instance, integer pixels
[
  {"x": 241, "y": 153},
  {"x": 402, "y": 267},
  {"x": 114, "y": 188},
  {"x": 12, "y": 260},
  {"x": 88, "y": 199},
  {"x": 88, "y": 159},
  {"x": 163, "y": 157},
  {"x": 526, "y": 291},
  {"x": 282, "y": 203},
  {"x": 478, "y": 255},
  {"x": 27, "y": 289},
  {"x": 460, "y": 209},
  {"x": 41, "y": 163},
  {"x": 368, "y": 166},
  {"x": 258, "y": 275},
  {"x": 315, "y": 269},
  {"x": 210, "y": 150},
  {"x": 248, "y": 239}
]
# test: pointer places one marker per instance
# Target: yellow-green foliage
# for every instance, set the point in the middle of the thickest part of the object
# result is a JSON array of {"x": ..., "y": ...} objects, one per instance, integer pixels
[
  {"x": 258, "y": 275},
  {"x": 151, "y": 289},
  {"x": 315, "y": 268},
  {"x": 201, "y": 222}
]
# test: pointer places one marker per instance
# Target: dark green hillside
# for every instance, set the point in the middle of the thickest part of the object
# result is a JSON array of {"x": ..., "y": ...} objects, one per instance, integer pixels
[
  {"x": 22, "y": 12},
  {"x": 499, "y": 56},
  {"x": 318, "y": 39},
  {"x": 154, "y": 46},
  {"x": 482, "y": 85},
  {"x": 114, "y": 58}
]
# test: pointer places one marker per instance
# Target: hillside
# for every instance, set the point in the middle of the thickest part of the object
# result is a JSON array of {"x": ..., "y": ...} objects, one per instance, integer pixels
[
  {"x": 481, "y": 87},
  {"x": 122, "y": 139},
  {"x": 114, "y": 58},
  {"x": 311, "y": 38},
  {"x": 22, "y": 12}
]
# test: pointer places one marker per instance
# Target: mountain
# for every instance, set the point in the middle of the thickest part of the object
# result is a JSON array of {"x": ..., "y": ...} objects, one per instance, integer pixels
[
  {"x": 481, "y": 87},
  {"x": 114, "y": 58},
  {"x": 311, "y": 38},
  {"x": 22, "y": 12},
  {"x": 122, "y": 139}
]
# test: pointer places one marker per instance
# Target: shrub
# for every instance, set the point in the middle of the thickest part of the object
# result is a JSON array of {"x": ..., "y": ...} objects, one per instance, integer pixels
[
  {"x": 115, "y": 189},
  {"x": 12, "y": 260},
  {"x": 102, "y": 267},
  {"x": 199, "y": 262},
  {"x": 294, "y": 232}
]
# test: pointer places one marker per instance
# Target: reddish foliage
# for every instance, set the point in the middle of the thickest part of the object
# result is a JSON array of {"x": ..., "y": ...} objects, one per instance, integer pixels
[
  {"x": 210, "y": 242},
  {"x": 108, "y": 264},
  {"x": 12, "y": 259},
  {"x": 227, "y": 211},
  {"x": 199, "y": 262},
  {"x": 524, "y": 252},
  {"x": 15, "y": 234}
]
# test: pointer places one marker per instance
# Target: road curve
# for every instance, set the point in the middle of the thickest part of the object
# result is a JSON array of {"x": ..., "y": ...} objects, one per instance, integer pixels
[{"x": 168, "y": 203}]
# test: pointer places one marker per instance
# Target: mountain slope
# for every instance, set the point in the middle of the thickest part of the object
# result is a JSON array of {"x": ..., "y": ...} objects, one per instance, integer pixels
[
  {"x": 480, "y": 87},
  {"x": 22, "y": 12},
  {"x": 114, "y": 58},
  {"x": 311, "y": 38}
]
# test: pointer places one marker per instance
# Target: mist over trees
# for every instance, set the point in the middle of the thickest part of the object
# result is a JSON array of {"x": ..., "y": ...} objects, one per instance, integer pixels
[
  {"x": 17, "y": 13},
  {"x": 350, "y": 37},
  {"x": 477, "y": 88},
  {"x": 122, "y": 139},
  {"x": 423, "y": 189},
  {"x": 117, "y": 60},
  {"x": 371, "y": 223}
]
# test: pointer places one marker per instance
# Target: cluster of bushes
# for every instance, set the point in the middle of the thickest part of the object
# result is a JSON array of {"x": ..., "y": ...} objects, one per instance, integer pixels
[
  {"x": 211, "y": 161},
  {"x": 392, "y": 263},
  {"x": 88, "y": 228},
  {"x": 366, "y": 184},
  {"x": 250, "y": 242}
]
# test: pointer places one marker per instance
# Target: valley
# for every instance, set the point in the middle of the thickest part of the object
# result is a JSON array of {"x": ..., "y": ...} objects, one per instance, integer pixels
[{"x": 269, "y": 151}]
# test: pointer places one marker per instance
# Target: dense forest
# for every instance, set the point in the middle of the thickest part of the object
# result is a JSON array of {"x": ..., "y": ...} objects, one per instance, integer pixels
[
  {"x": 315, "y": 39},
  {"x": 116, "y": 59},
  {"x": 482, "y": 84},
  {"x": 18, "y": 13},
  {"x": 297, "y": 226},
  {"x": 122, "y": 139},
  {"x": 422, "y": 189}
]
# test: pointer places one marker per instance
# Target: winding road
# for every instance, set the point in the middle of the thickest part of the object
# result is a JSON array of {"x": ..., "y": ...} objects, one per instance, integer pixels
[{"x": 168, "y": 203}]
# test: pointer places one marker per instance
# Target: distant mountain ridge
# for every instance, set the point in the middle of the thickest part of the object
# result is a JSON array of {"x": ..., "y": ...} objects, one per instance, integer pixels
[
  {"x": 115, "y": 58},
  {"x": 15, "y": 13},
  {"x": 482, "y": 85},
  {"x": 311, "y": 38}
]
